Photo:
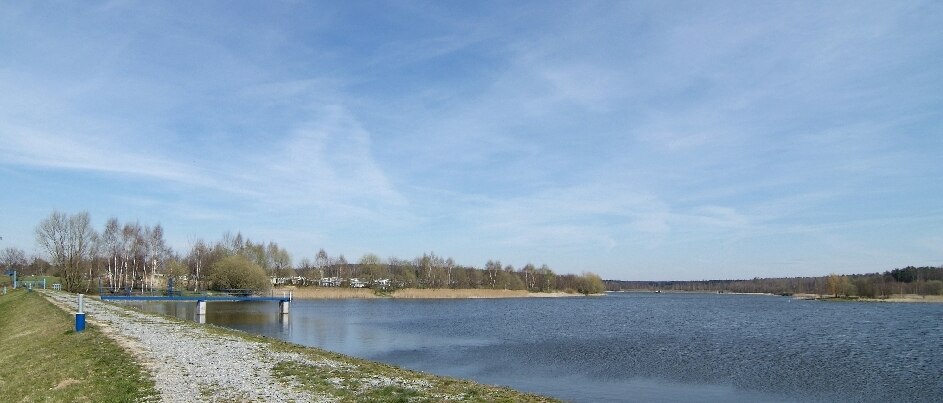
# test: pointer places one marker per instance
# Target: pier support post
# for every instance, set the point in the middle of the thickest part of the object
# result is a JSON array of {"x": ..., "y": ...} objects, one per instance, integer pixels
[
  {"x": 283, "y": 306},
  {"x": 283, "y": 320},
  {"x": 80, "y": 315},
  {"x": 201, "y": 307}
]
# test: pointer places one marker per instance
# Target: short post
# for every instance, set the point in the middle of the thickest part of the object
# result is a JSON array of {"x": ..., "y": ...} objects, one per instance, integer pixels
[
  {"x": 283, "y": 306},
  {"x": 283, "y": 320},
  {"x": 80, "y": 315},
  {"x": 4, "y": 291},
  {"x": 201, "y": 307}
]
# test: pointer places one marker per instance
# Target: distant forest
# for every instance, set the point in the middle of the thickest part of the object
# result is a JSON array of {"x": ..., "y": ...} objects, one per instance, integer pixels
[
  {"x": 129, "y": 256},
  {"x": 907, "y": 280}
]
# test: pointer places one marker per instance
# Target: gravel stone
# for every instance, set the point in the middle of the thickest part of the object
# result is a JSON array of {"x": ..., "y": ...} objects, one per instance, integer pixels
[{"x": 189, "y": 364}]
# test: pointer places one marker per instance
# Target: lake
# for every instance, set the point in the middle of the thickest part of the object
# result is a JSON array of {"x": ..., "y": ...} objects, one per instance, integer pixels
[{"x": 669, "y": 347}]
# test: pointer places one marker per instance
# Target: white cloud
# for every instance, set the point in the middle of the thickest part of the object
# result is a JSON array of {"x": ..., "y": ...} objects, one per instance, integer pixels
[
  {"x": 576, "y": 216},
  {"x": 327, "y": 158},
  {"x": 72, "y": 150}
]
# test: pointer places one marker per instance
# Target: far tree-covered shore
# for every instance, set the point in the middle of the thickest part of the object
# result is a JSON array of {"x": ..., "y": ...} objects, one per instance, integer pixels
[
  {"x": 898, "y": 281},
  {"x": 129, "y": 256}
]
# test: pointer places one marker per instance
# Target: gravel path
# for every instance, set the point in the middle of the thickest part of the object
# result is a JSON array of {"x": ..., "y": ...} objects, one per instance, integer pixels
[{"x": 190, "y": 364}]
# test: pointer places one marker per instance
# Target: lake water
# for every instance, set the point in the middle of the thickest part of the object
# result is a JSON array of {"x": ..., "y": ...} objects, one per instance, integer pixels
[{"x": 629, "y": 346}]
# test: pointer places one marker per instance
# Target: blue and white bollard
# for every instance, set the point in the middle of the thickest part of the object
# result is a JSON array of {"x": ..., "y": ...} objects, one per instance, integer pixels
[{"x": 80, "y": 315}]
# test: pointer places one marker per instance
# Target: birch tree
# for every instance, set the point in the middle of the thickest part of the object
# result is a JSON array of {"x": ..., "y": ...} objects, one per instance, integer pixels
[{"x": 321, "y": 261}]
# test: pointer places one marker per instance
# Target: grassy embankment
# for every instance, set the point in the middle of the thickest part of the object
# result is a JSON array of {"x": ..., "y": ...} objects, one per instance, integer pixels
[
  {"x": 415, "y": 293},
  {"x": 341, "y": 378},
  {"x": 43, "y": 359}
]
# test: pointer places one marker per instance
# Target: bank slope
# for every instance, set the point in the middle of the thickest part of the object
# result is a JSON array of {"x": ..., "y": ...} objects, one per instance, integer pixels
[
  {"x": 192, "y": 362},
  {"x": 43, "y": 359}
]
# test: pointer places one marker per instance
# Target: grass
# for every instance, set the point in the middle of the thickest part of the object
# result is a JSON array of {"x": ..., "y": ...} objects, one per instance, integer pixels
[
  {"x": 350, "y": 379},
  {"x": 42, "y": 358}
]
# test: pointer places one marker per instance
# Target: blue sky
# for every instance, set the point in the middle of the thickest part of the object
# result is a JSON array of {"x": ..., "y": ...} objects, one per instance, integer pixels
[{"x": 638, "y": 140}]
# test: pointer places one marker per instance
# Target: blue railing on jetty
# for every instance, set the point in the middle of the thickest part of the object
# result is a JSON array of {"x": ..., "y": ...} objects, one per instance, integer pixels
[
  {"x": 204, "y": 297},
  {"x": 171, "y": 294}
]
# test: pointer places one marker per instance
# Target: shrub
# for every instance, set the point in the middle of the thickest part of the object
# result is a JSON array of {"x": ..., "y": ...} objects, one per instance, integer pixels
[
  {"x": 237, "y": 272},
  {"x": 591, "y": 283}
]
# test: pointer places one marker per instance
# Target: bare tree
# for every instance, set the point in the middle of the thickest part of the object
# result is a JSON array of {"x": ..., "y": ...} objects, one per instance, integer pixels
[
  {"x": 197, "y": 258},
  {"x": 69, "y": 241},
  {"x": 322, "y": 261},
  {"x": 280, "y": 260},
  {"x": 341, "y": 264},
  {"x": 14, "y": 258},
  {"x": 110, "y": 244},
  {"x": 493, "y": 268},
  {"x": 449, "y": 264},
  {"x": 132, "y": 243}
]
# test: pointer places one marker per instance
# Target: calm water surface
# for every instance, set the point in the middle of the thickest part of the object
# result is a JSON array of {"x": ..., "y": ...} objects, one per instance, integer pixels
[{"x": 630, "y": 346}]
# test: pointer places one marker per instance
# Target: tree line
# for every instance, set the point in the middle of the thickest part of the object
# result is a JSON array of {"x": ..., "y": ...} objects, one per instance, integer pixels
[
  {"x": 908, "y": 280},
  {"x": 130, "y": 256}
]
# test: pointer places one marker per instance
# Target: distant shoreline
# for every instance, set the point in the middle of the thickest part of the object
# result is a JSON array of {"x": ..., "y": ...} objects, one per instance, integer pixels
[
  {"x": 694, "y": 292},
  {"x": 896, "y": 298},
  {"x": 418, "y": 293}
]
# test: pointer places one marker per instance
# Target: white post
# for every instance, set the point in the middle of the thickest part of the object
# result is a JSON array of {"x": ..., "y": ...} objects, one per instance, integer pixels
[
  {"x": 81, "y": 303},
  {"x": 201, "y": 307},
  {"x": 283, "y": 306},
  {"x": 283, "y": 319}
]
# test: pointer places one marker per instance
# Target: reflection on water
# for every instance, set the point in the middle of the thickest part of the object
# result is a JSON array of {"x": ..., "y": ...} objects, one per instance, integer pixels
[{"x": 664, "y": 347}]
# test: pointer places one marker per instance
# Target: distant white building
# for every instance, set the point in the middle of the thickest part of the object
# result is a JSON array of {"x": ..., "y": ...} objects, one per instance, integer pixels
[{"x": 329, "y": 282}]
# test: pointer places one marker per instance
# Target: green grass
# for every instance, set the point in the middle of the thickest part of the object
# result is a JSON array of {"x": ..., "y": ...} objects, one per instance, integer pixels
[{"x": 42, "y": 358}]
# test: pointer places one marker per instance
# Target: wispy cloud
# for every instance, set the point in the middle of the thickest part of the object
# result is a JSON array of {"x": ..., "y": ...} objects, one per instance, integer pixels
[
  {"x": 687, "y": 137},
  {"x": 72, "y": 150},
  {"x": 578, "y": 216}
]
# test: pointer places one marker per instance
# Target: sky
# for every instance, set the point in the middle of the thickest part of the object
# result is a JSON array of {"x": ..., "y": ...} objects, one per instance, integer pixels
[{"x": 662, "y": 140}]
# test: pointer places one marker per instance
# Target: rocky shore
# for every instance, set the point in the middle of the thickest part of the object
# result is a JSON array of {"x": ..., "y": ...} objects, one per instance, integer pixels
[{"x": 196, "y": 363}]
